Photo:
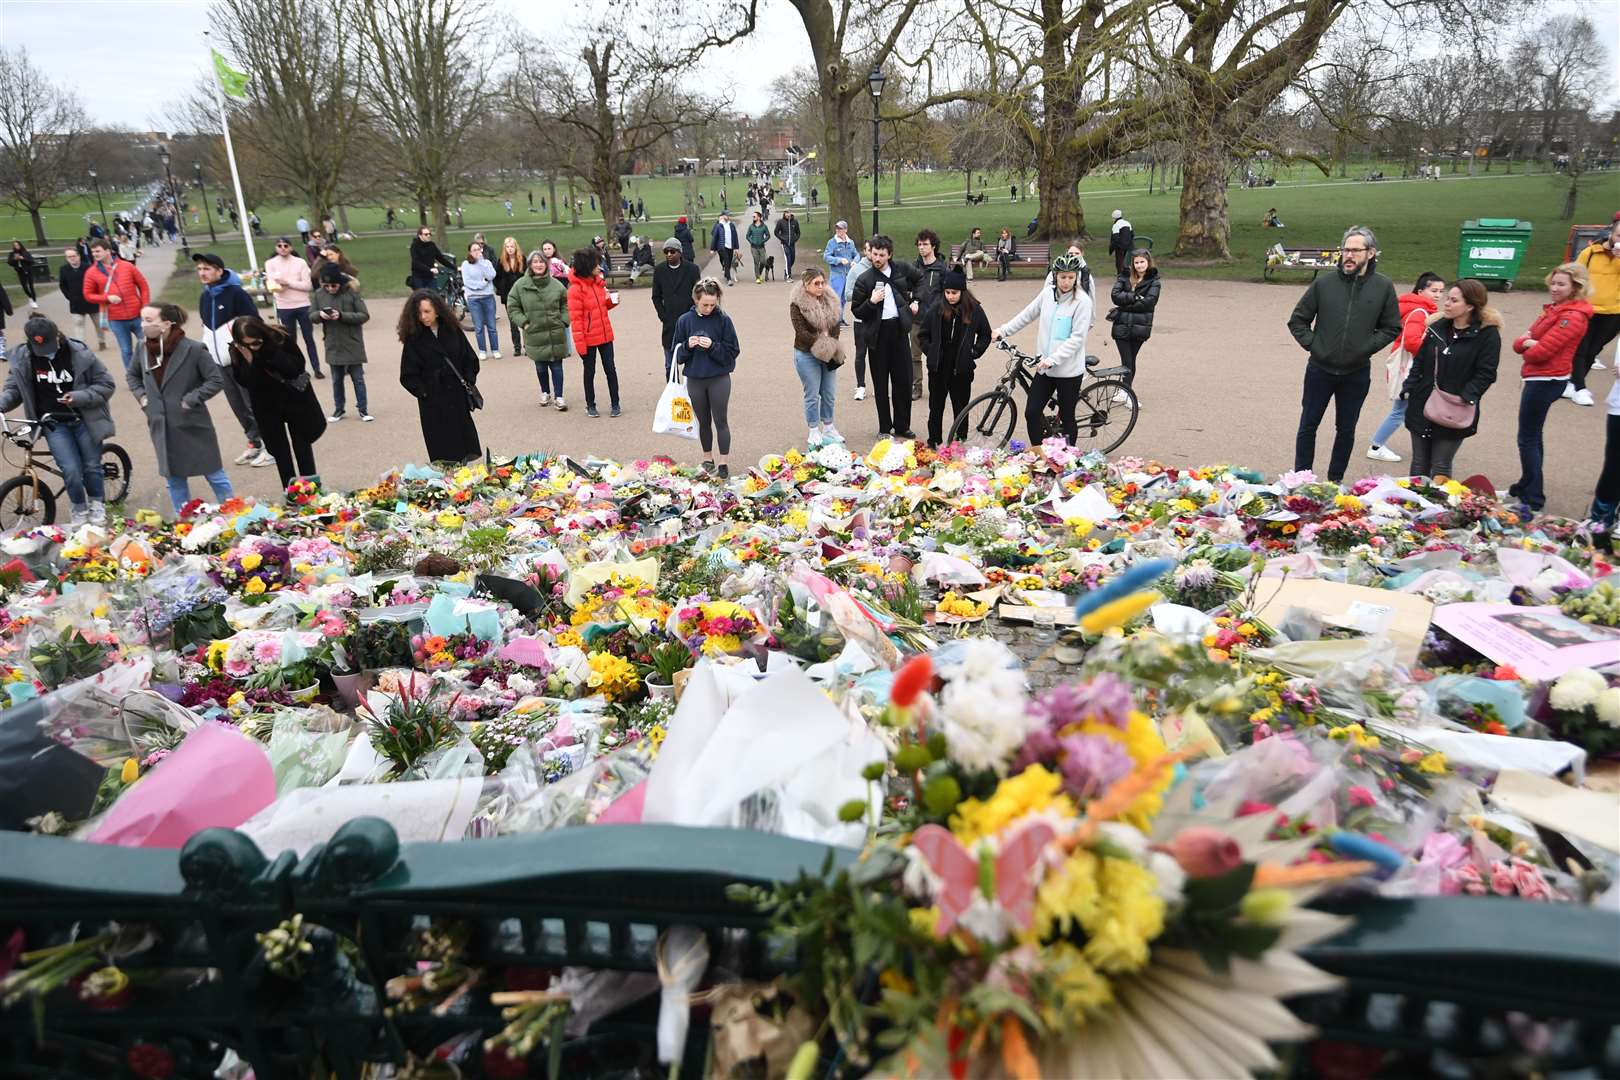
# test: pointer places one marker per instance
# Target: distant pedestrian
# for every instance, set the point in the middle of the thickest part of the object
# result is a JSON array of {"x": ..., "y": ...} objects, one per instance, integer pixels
[
  {"x": 955, "y": 332},
  {"x": 787, "y": 234},
  {"x": 22, "y": 261},
  {"x": 1135, "y": 296},
  {"x": 589, "y": 302},
  {"x": 725, "y": 242},
  {"x": 172, "y": 387},
  {"x": 1458, "y": 359},
  {"x": 1602, "y": 261},
  {"x": 342, "y": 315},
  {"x": 1415, "y": 308},
  {"x": 1006, "y": 252},
  {"x": 70, "y": 280},
  {"x": 425, "y": 260},
  {"x": 1012, "y": 193},
  {"x": 121, "y": 290},
  {"x": 813, "y": 311},
  {"x": 641, "y": 209},
  {"x": 438, "y": 367},
  {"x": 683, "y": 233},
  {"x": 973, "y": 252},
  {"x": 266, "y": 361},
  {"x": 302, "y": 225},
  {"x": 63, "y": 388},
  {"x": 863, "y": 263},
  {"x": 621, "y": 234},
  {"x": 1341, "y": 321},
  {"x": 478, "y": 285},
  {"x": 290, "y": 285},
  {"x": 538, "y": 307},
  {"x": 1548, "y": 348},
  {"x": 508, "y": 269},
  {"x": 1121, "y": 240},
  {"x": 707, "y": 348},
  {"x": 758, "y": 236},
  {"x": 508, "y": 205},
  {"x": 554, "y": 261}
]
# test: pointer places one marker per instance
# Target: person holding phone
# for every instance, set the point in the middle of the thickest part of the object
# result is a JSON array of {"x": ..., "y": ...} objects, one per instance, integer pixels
[
  {"x": 589, "y": 301},
  {"x": 63, "y": 388},
  {"x": 172, "y": 386},
  {"x": 707, "y": 347},
  {"x": 266, "y": 362}
]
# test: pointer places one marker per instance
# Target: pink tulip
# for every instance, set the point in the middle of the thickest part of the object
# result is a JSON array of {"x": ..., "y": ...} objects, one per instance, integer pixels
[{"x": 1205, "y": 852}]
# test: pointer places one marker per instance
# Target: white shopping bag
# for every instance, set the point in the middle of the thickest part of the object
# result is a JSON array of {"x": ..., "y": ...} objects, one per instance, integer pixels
[{"x": 674, "y": 413}]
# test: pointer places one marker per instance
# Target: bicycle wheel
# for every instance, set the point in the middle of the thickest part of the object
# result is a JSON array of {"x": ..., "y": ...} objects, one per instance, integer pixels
[
  {"x": 987, "y": 422},
  {"x": 22, "y": 506},
  {"x": 115, "y": 471},
  {"x": 1102, "y": 422}
]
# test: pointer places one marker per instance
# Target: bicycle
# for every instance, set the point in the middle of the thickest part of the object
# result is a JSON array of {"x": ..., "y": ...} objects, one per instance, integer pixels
[
  {"x": 447, "y": 283},
  {"x": 990, "y": 419},
  {"x": 25, "y": 499}
]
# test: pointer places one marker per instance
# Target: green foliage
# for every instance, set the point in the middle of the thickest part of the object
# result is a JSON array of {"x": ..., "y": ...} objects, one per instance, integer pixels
[
  {"x": 1212, "y": 921},
  {"x": 799, "y": 638},
  {"x": 200, "y": 626},
  {"x": 414, "y": 725},
  {"x": 391, "y": 552},
  {"x": 68, "y": 659},
  {"x": 670, "y": 658}
]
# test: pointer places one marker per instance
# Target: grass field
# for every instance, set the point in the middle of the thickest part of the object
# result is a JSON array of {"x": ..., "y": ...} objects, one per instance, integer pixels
[{"x": 1417, "y": 223}]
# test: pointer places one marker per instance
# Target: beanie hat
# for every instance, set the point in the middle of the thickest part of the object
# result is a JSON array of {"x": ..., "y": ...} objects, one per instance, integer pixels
[
  {"x": 953, "y": 279},
  {"x": 1118, "y": 214},
  {"x": 673, "y": 244}
]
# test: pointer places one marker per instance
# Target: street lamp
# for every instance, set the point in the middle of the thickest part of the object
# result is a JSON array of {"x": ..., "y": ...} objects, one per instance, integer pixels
[
  {"x": 874, "y": 83},
  {"x": 212, "y": 239},
  {"x": 99, "y": 204},
  {"x": 174, "y": 194}
]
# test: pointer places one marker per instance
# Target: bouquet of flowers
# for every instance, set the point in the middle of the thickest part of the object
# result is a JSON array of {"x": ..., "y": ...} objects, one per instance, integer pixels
[
  {"x": 253, "y": 569},
  {"x": 303, "y": 491},
  {"x": 715, "y": 626}
]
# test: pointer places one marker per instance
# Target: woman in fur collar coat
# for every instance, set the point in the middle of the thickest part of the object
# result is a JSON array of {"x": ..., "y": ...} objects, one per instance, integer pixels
[{"x": 817, "y": 352}]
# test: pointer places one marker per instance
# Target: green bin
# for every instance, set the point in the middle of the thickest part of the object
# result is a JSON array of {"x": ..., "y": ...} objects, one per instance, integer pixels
[{"x": 1491, "y": 249}]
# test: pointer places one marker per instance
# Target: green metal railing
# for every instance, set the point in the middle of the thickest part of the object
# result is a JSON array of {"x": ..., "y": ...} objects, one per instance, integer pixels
[{"x": 1443, "y": 974}]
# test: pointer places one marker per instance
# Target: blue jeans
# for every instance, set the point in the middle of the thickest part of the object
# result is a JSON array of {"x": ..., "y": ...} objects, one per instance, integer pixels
[
  {"x": 482, "y": 310},
  {"x": 125, "y": 331},
  {"x": 78, "y": 455},
  {"x": 550, "y": 374},
  {"x": 1347, "y": 390},
  {"x": 357, "y": 375},
  {"x": 820, "y": 384},
  {"x": 296, "y": 319},
  {"x": 180, "y": 488},
  {"x": 1534, "y": 402},
  {"x": 1396, "y": 417}
]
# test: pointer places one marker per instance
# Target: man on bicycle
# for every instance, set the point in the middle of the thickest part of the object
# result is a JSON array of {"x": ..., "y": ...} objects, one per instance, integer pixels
[{"x": 63, "y": 388}]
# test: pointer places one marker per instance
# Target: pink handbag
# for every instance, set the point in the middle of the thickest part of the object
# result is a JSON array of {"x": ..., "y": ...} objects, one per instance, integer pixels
[{"x": 1447, "y": 410}]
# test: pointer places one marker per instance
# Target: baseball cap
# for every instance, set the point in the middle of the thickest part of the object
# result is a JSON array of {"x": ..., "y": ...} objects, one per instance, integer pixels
[
  {"x": 840, "y": 224},
  {"x": 210, "y": 258},
  {"x": 43, "y": 337}
]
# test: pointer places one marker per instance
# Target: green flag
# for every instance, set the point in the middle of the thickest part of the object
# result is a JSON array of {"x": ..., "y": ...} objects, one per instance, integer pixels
[{"x": 231, "y": 81}]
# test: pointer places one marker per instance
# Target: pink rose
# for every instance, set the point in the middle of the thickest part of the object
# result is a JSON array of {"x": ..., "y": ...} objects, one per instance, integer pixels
[
  {"x": 1528, "y": 880},
  {"x": 1502, "y": 880},
  {"x": 1205, "y": 852},
  {"x": 1360, "y": 796}
]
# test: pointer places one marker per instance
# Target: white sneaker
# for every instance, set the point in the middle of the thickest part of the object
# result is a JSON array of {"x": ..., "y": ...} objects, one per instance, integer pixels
[
  {"x": 247, "y": 455},
  {"x": 98, "y": 512},
  {"x": 860, "y": 393},
  {"x": 1383, "y": 453},
  {"x": 33, "y": 303},
  {"x": 334, "y": 418},
  {"x": 262, "y": 459},
  {"x": 1569, "y": 391},
  {"x": 1598, "y": 365},
  {"x": 1582, "y": 397},
  {"x": 495, "y": 354},
  {"x": 80, "y": 516},
  {"x": 562, "y": 406},
  {"x": 814, "y": 439},
  {"x": 831, "y": 434},
  {"x": 545, "y": 399},
  {"x": 482, "y": 355},
  {"x": 1121, "y": 398},
  {"x": 367, "y": 417}
]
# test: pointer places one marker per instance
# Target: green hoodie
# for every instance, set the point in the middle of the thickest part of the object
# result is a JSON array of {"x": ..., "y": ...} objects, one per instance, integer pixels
[
  {"x": 538, "y": 305},
  {"x": 1342, "y": 321}
]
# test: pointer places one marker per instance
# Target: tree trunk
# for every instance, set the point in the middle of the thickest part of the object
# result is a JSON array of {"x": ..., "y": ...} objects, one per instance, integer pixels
[
  {"x": 1204, "y": 228},
  {"x": 1570, "y": 195},
  {"x": 39, "y": 225},
  {"x": 551, "y": 187},
  {"x": 573, "y": 207},
  {"x": 1061, "y": 217},
  {"x": 897, "y": 171},
  {"x": 605, "y": 181},
  {"x": 343, "y": 220},
  {"x": 843, "y": 181},
  {"x": 441, "y": 212}
]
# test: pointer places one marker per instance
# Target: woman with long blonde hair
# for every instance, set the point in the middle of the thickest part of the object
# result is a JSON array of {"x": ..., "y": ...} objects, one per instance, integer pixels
[{"x": 509, "y": 267}]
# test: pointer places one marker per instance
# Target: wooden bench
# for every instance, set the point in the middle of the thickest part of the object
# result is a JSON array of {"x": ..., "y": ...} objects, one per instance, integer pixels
[
  {"x": 1037, "y": 253},
  {"x": 620, "y": 274},
  {"x": 1314, "y": 259}
]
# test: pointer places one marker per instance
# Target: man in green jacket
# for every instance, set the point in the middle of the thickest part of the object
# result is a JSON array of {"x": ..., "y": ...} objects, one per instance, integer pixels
[
  {"x": 1341, "y": 321},
  {"x": 538, "y": 305}
]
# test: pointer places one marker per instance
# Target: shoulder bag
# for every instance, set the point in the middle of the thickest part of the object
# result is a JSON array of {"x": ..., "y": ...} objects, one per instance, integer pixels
[
  {"x": 1448, "y": 410},
  {"x": 475, "y": 400}
]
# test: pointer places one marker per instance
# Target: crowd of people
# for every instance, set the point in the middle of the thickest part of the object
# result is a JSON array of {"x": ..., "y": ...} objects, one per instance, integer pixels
[{"x": 914, "y": 325}]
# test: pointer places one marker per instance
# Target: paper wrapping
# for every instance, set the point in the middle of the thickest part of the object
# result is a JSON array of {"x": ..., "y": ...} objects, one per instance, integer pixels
[{"x": 217, "y": 778}]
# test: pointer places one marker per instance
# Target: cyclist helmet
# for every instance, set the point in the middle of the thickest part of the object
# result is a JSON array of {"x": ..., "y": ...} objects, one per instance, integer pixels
[{"x": 1066, "y": 264}]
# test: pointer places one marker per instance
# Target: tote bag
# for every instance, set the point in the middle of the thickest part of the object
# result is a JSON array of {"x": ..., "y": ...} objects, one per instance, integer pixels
[
  {"x": 1395, "y": 370},
  {"x": 674, "y": 412}
]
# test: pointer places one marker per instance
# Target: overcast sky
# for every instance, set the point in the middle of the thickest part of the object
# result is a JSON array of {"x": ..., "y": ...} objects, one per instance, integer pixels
[{"x": 129, "y": 59}]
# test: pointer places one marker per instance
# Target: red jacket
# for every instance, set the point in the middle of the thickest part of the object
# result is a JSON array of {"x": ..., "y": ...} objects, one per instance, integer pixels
[
  {"x": 128, "y": 284},
  {"x": 1415, "y": 311},
  {"x": 1556, "y": 335},
  {"x": 588, "y": 307}
]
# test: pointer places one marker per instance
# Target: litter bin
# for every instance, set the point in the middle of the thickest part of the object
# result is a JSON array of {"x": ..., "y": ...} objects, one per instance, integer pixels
[{"x": 1491, "y": 249}]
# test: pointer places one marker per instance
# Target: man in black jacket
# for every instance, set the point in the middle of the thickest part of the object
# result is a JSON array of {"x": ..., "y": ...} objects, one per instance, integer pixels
[
  {"x": 672, "y": 292},
  {"x": 1341, "y": 321},
  {"x": 787, "y": 234},
  {"x": 882, "y": 302},
  {"x": 425, "y": 255},
  {"x": 1121, "y": 241},
  {"x": 621, "y": 233},
  {"x": 930, "y": 267}
]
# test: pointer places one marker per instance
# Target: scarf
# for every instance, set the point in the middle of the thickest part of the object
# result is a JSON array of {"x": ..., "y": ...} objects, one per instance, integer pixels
[{"x": 161, "y": 350}]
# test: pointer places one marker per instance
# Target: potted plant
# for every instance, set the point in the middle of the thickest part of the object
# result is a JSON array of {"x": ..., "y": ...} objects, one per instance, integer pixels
[{"x": 666, "y": 660}]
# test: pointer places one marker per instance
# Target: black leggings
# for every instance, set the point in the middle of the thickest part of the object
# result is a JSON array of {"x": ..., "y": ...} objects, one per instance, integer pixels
[
  {"x": 1600, "y": 330},
  {"x": 860, "y": 360},
  {"x": 1128, "y": 348},
  {"x": 710, "y": 400},
  {"x": 287, "y": 448},
  {"x": 25, "y": 274},
  {"x": 1041, "y": 389},
  {"x": 605, "y": 351}
]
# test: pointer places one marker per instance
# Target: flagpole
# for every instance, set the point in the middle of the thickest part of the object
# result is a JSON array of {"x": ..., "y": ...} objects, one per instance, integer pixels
[{"x": 230, "y": 155}]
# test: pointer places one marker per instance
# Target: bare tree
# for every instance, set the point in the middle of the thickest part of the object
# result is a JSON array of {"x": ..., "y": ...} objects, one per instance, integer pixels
[
  {"x": 427, "y": 80},
  {"x": 40, "y": 129},
  {"x": 1568, "y": 68},
  {"x": 303, "y": 113},
  {"x": 1350, "y": 92}
]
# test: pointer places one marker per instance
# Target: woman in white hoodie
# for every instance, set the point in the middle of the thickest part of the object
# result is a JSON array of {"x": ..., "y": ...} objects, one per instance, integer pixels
[{"x": 1065, "y": 313}]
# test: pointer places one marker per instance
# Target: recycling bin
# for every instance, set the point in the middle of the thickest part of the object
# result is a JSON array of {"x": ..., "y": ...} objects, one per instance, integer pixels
[{"x": 1491, "y": 249}]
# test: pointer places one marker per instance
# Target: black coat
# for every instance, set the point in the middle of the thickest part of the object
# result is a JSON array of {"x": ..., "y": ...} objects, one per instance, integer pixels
[
  {"x": 788, "y": 232},
  {"x": 1133, "y": 308},
  {"x": 903, "y": 280},
  {"x": 672, "y": 290},
  {"x": 1465, "y": 361},
  {"x": 931, "y": 335},
  {"x": 683, "y": 233},
  {"x": 929, "y": 276},
  {"x": 425, "y": 255},
  {"x": 425, "y": 370},
  {"x": 71, "y": 282},
  {"x": 268, "y": 379}
]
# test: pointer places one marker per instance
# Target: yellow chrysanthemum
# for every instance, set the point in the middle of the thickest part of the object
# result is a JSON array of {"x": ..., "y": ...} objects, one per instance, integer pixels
[
  {"x": 1066, "y": 895},
  {"x": 1129, "y": 916},
  {"x": 254, "y": 587},
  {"x": 569, "y": 637},
  {"x": 1032, "y": 790},
  {"x": 1079, "y": 988}
]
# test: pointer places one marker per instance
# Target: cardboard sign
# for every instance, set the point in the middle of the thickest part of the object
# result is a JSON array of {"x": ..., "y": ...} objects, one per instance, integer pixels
[
  {"x": 1402, "y": 617},
  {"x": 1538, "y": 642}
]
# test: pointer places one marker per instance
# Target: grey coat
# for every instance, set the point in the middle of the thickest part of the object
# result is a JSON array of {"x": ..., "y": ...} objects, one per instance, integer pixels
[
  {"x": 345, "y": 341},
  {"x": 92, "y": 386},
  {"x": 177, "y": 412}
]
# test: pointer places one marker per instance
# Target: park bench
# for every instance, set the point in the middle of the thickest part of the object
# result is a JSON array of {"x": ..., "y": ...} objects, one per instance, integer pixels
[
  {"x": 1314, "y": 259},
  {"x": 39, "y": 268},
  {"x": 1036, "y": 253},
  {"x": 620, "y": 274}
]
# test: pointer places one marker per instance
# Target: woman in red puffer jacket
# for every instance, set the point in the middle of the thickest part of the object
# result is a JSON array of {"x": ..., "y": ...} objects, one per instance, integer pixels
[
  {"x": 1416, "y": 307},
  {"x": 1548, "y": 348},
  {"x": 588, "y": 305}
]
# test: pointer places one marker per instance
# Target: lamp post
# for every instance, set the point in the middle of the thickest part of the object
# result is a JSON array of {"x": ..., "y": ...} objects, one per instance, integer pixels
[
  {"x": 99, "y": 204},
  {"x": 203, "y": 193},
  {"x": 174, "y": 194},
  {"x": 874, "y": 83}
]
